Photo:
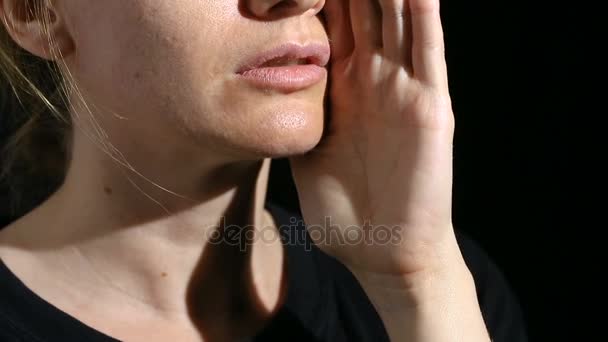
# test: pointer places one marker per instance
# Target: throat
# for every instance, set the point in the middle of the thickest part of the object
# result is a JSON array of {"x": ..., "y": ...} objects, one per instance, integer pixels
[{"x": 242, "y": 284}]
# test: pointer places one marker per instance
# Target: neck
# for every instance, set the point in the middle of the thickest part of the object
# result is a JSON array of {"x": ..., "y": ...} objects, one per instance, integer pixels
[{"x": 151, "y": 241}]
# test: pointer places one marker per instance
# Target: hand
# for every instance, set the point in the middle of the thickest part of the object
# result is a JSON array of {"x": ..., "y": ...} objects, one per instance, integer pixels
[
  {"x": 386, "y": 158},
  {"x": 386, "y": 161}
]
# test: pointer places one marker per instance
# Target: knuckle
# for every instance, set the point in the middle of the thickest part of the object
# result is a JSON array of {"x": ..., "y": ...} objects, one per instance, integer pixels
[
  {"x": 394, "y": 10},
  {"x": 434, "y": 46},
  {"x": 424, "y": 6}
]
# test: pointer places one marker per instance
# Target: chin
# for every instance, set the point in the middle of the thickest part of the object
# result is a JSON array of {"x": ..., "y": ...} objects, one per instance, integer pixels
[
  {"x": 254, "y": 125},
  {"x": 279, "y": 133},
  {"x": 289, "y": 133}
]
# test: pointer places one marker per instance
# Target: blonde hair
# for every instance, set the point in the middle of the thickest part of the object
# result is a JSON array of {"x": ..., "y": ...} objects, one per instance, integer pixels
[{"x": 35, "y": 121}]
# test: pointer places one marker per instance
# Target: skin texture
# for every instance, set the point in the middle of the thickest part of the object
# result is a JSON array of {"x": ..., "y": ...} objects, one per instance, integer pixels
[
  {"x": 170, "y": 144},
  {"x": 387, "y": 162}
]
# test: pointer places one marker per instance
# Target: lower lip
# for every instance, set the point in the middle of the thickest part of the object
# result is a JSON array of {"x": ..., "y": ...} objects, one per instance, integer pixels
[{"x": 285, "y": 78}]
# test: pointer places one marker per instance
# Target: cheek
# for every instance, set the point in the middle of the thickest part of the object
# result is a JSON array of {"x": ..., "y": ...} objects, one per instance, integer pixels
[
  {"x": 168, "y": 67},
  {"x": 143, "y": 62}
]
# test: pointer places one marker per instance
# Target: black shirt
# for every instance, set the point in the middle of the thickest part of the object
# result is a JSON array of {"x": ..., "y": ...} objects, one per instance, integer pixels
[{"x": 324, "y": 300}]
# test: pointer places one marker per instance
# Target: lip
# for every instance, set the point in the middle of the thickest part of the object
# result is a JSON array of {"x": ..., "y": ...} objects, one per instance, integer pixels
[{"x": 269, "y": 70}]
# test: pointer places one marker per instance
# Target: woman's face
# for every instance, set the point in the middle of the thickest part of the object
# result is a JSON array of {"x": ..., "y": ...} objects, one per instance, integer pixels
[{"x": 170, "y": 68}]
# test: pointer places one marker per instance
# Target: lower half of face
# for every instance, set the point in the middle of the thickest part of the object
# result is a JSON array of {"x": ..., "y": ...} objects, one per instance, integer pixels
[{"x": 170, "y": 71}]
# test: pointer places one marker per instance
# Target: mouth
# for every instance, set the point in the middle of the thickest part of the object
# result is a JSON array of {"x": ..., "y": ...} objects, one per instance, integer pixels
[
  {"x": 289, "y": 54},
  {"x": 286, "y": 61},
  {"x": 287, "y": 68}
]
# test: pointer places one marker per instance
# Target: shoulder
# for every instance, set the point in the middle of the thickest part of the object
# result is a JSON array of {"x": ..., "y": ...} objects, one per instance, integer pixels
[
  {"x": 13, "y": 308},
  {"x": 499, "y": 305},
  {"x": 345, "y": 303}
]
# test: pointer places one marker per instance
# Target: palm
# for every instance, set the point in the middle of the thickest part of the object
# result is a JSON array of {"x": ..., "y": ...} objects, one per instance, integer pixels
[{"x": 386, "y": 158}]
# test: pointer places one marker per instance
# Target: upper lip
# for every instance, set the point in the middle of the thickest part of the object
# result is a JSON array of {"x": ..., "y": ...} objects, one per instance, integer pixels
[{"x": 313, "y": 53}]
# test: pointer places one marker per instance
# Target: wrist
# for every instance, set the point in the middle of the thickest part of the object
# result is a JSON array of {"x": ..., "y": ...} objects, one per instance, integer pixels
[
  {"x": 417, "y": 289},
  {"x": 438, "y": 305}
]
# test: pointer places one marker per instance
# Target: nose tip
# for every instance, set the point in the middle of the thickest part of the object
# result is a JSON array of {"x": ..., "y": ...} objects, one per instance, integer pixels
[{"x": 266, "y": 9}]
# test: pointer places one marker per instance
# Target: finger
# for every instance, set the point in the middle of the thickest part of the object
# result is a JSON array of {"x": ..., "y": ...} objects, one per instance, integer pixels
[
  {"x": 337, "y": 15},
  {"x": 366, "y": 19},
  {"x": 428, "y": 50},
  {"x": 395, "y": 27}
]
